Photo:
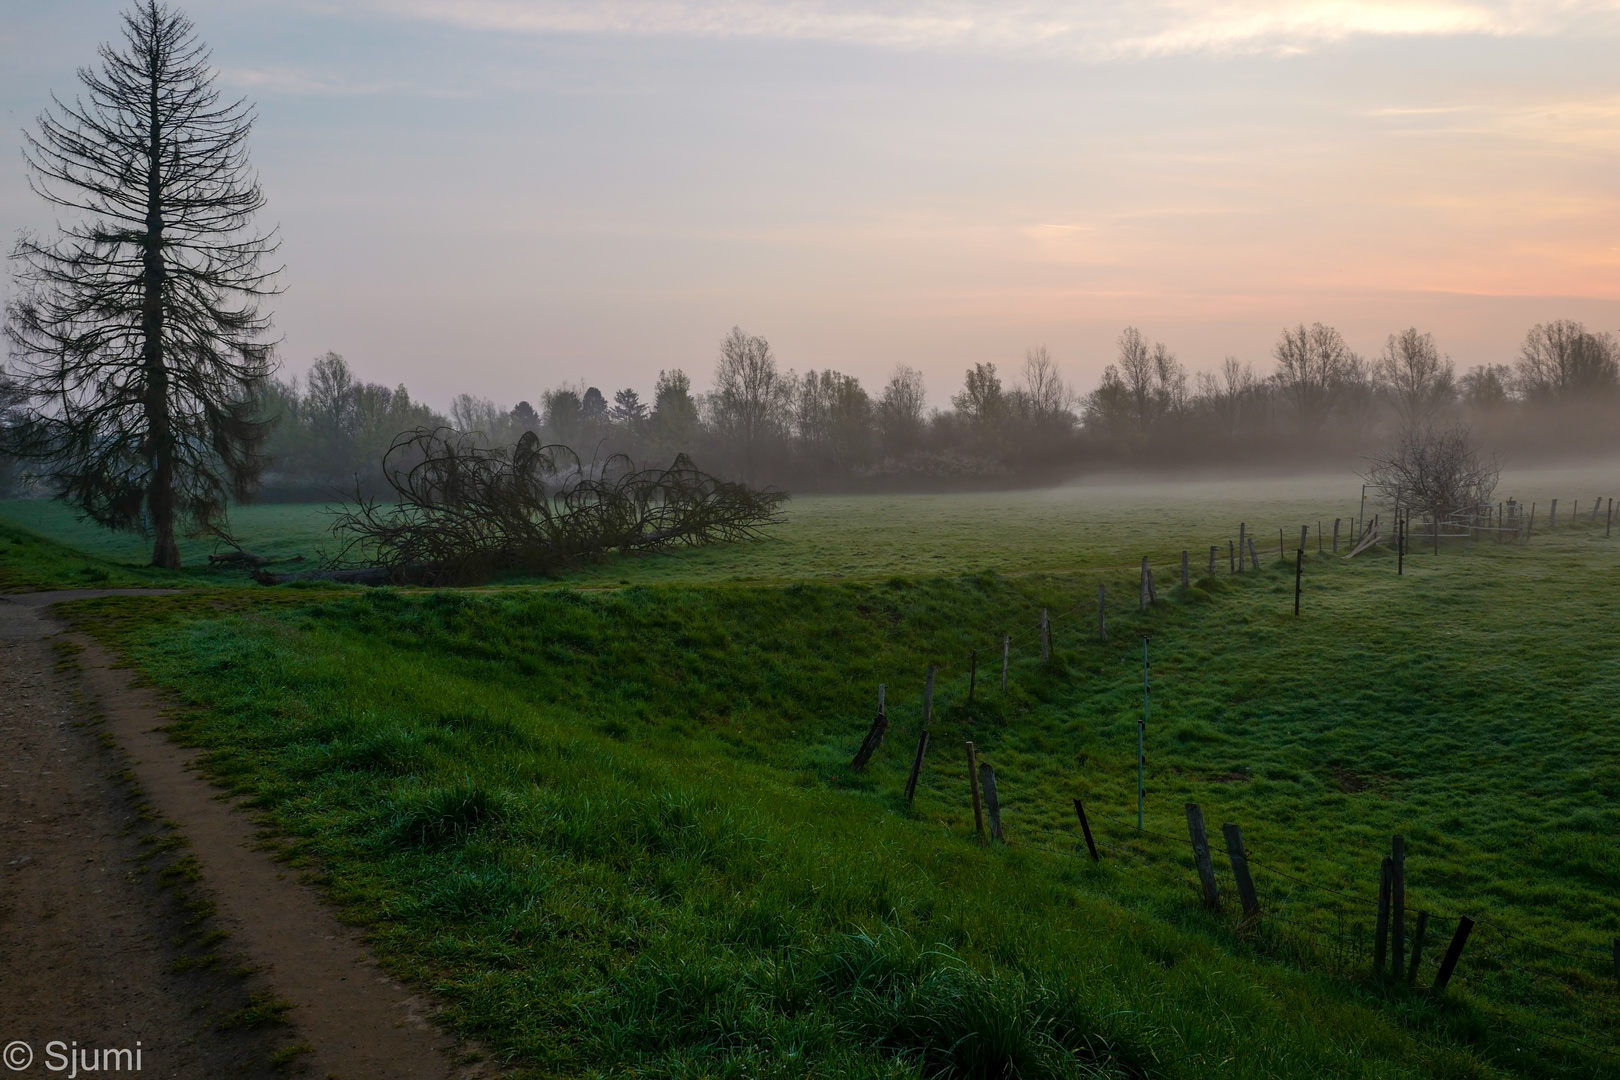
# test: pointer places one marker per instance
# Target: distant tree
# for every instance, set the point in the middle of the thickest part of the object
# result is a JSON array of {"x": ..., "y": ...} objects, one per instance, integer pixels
[
  {"x": 1562, "y": 360},
  {"x": 674, "y": 418},
  {"x": 834, "y": 420},
  {"x": 1145, "y": 385},
  {"x": 750, "y": 398},
  {"x": 1487, "y": 387},
  {"x": 1230, "y": 395},
  {"x": 1043, "y": 388},
  {"x": 137, "y": 330},
  {"x": 900, "y": 410},
  {"x": 524, "y": 418},
  {"x": 469, "y": 414},
  {"x": 628, "y": 409},
  {"x": 1421, "y": 381},
  {"x": 1312, "y": 366},
  {"x": 981, "y": 401},
  {"x": 593, "y": 407},
  {"x": 562, "y": 414}
]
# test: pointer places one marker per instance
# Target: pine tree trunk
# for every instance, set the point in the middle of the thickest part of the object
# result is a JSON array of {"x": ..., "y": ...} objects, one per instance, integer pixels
[{"x": 159, "y": 429}]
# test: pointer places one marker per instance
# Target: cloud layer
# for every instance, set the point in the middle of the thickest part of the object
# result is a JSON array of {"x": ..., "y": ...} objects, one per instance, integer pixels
[{"x": 1081, "y": 30}]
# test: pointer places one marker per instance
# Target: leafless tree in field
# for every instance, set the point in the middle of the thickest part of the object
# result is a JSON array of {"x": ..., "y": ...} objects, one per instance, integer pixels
[
  {"x": 751, "y": 397},
  {"x": 1312, "y": 364},
  {"x": 136, "y": 331},
  {"x": 1563, "y": 360},
  {"x": 1422, "y": 381},
  {"x": 1437, "y": 472},
  {"x": 900, "y": 410}
]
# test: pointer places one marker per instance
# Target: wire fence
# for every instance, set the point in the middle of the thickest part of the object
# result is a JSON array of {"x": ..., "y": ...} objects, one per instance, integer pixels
[{"x": 1314, "y": 923}]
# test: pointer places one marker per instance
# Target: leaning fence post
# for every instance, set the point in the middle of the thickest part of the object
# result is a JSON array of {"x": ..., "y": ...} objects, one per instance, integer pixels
[
  {"x": 1200, "y": 843},
  {"x": 916, "y": 766},
  {"x": 973, "y": 785},
  {"x": 1006, "y": 655},
  {"x": 987, "y": 781},
  {"x": 1254, "y": 559},
  {"x": 1418, "y": 934},
  {"x": 1102, "y": 612},
  {"x": 1091, "y": 846},
  {"x": 1240, "y": 870},
  {"x": 874, "y": 736},
  {"x": 1381, "y": 934},
  {"x": 1453, "y": 952},
  {"x": 1397, "y": 902}
]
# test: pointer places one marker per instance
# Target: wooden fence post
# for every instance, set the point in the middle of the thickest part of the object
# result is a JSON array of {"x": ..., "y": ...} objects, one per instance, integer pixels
[
  {"x": 1336, "y": 536},
  {"x": 1254, "y": 559},
  {"x": 1102, "y": 612},
  {"x": 1091, "y": 846},
  {"x": 1240, "y": 870},
  {"x": 1212, "y": 550},
  {"x": 1304, "y": 536},
  {"x": 1231, "y": 561},
  {"x": 1530, "y": 526},
  {"x": 1609, "y": 521},
  {"x": 1418, "y": 934},
  {"x": 1299, "y": 570},
  {"x": 1006, "y": 655},
  {"x": 1184, "y": 569},
  {"x": 1397, "y": 903},
  {"x": 1597, "y": 504},
  {"x": 916, "y": 766},
  {"x": 1242, "y": 535},
  {"x": 1046, "y": 638},
  {"x": 874, "y": 736},
  {"x": 1153, "y": 592},
  {"x": 1200, "y": 843},
  {"x": 1381, "y": 933},
  {"x": 992, "y": 804},
  {"x": 973, "y": 785},
  {"x": 973, "y": 672},
  {"x": 1465, "y": 926}
]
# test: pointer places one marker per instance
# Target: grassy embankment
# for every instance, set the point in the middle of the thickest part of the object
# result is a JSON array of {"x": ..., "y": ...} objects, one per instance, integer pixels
[{"x": 614, "y": 828}]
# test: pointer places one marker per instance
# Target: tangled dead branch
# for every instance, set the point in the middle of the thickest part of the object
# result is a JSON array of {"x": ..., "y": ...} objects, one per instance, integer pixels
[{"x": 464, "y": 512}]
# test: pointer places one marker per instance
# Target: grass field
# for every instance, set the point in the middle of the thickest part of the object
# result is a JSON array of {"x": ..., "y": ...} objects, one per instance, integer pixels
[{"x": 615, "y": 830}]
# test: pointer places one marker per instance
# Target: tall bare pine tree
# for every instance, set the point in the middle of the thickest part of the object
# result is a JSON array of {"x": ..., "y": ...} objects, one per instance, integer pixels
[{"x": 136, "y": 331}]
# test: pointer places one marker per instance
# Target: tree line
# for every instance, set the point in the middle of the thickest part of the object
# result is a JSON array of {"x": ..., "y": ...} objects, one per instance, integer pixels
[{"x": 1320, "y": 402}]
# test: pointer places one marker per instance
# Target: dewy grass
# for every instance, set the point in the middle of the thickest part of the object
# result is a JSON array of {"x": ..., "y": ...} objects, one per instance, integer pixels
[{"x": 616, "y": 832}]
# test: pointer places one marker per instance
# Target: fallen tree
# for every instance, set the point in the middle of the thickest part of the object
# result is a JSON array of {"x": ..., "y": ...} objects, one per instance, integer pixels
[{"x": 464, "y": 512}]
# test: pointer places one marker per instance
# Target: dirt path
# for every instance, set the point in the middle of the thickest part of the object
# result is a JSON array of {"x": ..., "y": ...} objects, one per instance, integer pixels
[{"x": 102, "y": 945}]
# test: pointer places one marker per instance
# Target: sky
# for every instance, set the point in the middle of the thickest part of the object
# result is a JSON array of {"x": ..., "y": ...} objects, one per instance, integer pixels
[{"x": 500, "y": 196}]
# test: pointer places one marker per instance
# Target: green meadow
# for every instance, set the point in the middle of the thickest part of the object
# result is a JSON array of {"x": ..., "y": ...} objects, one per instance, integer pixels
[{"x": 609, "y": 820}]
